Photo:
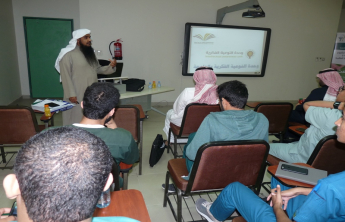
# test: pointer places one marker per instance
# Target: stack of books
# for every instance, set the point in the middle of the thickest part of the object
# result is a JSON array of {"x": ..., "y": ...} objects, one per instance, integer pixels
[{"x": 54, "y": 105}]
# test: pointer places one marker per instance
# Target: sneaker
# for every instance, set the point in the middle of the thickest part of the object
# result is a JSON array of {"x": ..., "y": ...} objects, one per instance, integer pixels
[
  {"x": 203, "y": 208},
  {"x": 171, "y": 188}
]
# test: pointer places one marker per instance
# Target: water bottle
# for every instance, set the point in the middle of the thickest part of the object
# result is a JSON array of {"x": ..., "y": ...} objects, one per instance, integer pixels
[
  {"x": 104, "y": 199},
  {"x": 300, "y": 101},
  {"x": 47, "y": 112},
  {"x": 159, "y": 84},
  {"x": 150, "y": 85},
  {"x": 153, "y": 84}
]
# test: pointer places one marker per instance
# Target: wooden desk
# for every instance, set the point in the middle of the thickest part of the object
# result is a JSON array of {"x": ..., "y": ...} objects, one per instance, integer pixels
[
  {"x": 143, "y": 98},
  {"x": 286, "y": 182},
  {"x": 126, "y": 203},
  {"x": 46, "y": 119},
  {"x": 294, "y": 129},
  {"x": 252, "y": 104}
]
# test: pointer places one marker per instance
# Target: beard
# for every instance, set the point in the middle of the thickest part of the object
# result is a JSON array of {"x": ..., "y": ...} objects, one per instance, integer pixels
[{"x": 89, "y": 54}]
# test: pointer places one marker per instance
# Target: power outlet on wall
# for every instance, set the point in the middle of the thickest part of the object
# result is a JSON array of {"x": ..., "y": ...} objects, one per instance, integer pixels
[{"x": 320, "y": 59}]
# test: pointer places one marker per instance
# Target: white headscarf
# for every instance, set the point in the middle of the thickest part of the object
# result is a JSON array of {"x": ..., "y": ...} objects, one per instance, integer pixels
[{"x": 77, "y": 34}]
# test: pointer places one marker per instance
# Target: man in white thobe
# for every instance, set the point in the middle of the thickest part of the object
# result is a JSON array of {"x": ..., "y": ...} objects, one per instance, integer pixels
[{"x": 78, "y": 67}]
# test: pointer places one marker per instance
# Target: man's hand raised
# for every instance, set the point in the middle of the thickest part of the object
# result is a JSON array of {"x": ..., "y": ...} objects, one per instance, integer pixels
[{"x": 112, "y": 63}]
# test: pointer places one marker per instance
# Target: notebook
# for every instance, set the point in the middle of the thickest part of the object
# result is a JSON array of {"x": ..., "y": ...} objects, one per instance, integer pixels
[{"x": 312, "y": 176}]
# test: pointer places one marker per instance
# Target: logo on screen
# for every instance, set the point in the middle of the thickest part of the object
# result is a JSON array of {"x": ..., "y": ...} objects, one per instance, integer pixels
[
  {"x": 250, "y": 53},
  {"x": 206, "y": 37}
]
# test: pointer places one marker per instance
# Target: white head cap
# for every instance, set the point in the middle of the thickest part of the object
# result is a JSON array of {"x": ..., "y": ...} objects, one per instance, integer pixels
[{"x": 77, "y": 34}]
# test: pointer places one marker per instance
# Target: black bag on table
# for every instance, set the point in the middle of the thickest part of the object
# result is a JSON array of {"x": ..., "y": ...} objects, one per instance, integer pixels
[
  {"x": 134, "y": 85},
  {"x": 157, "y": 150}
]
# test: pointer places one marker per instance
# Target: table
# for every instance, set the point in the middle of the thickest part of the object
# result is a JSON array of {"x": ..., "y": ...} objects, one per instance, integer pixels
[
  {"x": 144, "y": 97},
  {"x": 126, "y": 203},
  {"x": 113, "y": 78},
  {"x": 287, "y": 182},
  {"x": 252, "y": 104},
  {"x": 46, "y": 119},
  {"x": 294, "y": 129}
]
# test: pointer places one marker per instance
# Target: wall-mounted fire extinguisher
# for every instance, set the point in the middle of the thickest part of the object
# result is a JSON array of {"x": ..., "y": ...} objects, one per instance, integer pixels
[{"x": 117, "y": 49}]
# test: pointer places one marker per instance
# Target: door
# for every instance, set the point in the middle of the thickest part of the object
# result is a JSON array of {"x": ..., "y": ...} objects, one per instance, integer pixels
[{"x": 44, "y": 38}]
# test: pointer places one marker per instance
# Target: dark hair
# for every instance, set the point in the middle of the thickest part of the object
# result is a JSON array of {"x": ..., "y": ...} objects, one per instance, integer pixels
[
  {"x": 235, "y": 92},
  {"x": 62, "y": 173},
  {"x": 99, "y": 99}
]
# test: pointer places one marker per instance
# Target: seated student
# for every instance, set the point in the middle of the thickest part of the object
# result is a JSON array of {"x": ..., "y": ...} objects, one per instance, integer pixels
[
  {"x": 59, "y": 175},
  {"x": 203, "y": 92},
  {"x": 330, "y": 81},
  {"x": 233, "y": 123},
  {"x": 325, "y": 202},
  {"x": 321, "y": 124},
  {"x": 98, "y": 106}
]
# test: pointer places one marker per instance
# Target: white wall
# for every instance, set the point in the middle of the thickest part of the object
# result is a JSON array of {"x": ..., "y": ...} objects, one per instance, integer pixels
[
  {"x": 67, "y": 9},
  {"x": 9, "y": 74},
  {"x": 153, "y": 33}
]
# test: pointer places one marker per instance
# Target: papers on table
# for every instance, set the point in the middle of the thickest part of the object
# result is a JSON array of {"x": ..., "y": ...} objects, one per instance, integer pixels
[{"x": 54, "y": 105}]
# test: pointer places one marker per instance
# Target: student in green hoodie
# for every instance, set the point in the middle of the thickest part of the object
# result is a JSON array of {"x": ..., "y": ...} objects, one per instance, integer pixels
[{"x": 233, "y": 123}]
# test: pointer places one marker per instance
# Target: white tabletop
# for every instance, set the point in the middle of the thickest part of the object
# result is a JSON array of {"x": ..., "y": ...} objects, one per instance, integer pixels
[
  {"x": 114, "y": 78},
  {"x": 146, "y": 91}
]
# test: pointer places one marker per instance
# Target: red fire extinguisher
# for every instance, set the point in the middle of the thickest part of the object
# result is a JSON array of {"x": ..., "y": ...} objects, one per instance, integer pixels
[{"x": 117, "y": 49}]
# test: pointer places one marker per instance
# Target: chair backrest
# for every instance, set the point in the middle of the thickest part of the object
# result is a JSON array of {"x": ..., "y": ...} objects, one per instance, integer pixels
[
  {"x": 218, "y": 164},
  {"x": 17, "y": 124},
  {"x": 329, "y": 155},
  {"x": 128, "y": 117},
  {"x": 115, "y": 171},
  {"x": 277, "y": 115},
  {"x": 193, "y": 116}
]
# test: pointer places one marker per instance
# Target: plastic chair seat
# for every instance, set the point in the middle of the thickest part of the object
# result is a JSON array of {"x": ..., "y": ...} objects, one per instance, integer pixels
[
  {"x": 178, "y": 168},
  {"x": 175, "y": 129}
]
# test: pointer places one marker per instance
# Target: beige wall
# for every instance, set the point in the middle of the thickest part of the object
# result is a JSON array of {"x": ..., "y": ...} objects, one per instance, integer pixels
[
  {"x": 9, "y": 74},
  {"x": 67, "y": 9},
  {"x": 153, "y": 32},
  {"x": 341, "y": 27}
]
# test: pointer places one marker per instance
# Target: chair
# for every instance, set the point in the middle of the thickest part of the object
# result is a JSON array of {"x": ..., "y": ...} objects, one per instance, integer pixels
[
  {"x": 115, "y": 172},
  {"x": 127, "y": 117},
  {"x": 193, "y": 116},
  {"x": 329, "y": 155},
  {"x": 17, "y": 125},
  {"x": 277, "y": 115},
  {"x": 239, "y": 219},
  {"x": 216, "y": 165},
  {"x": 132, "y": 128},
  {"x": 142, "y": 117}
]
